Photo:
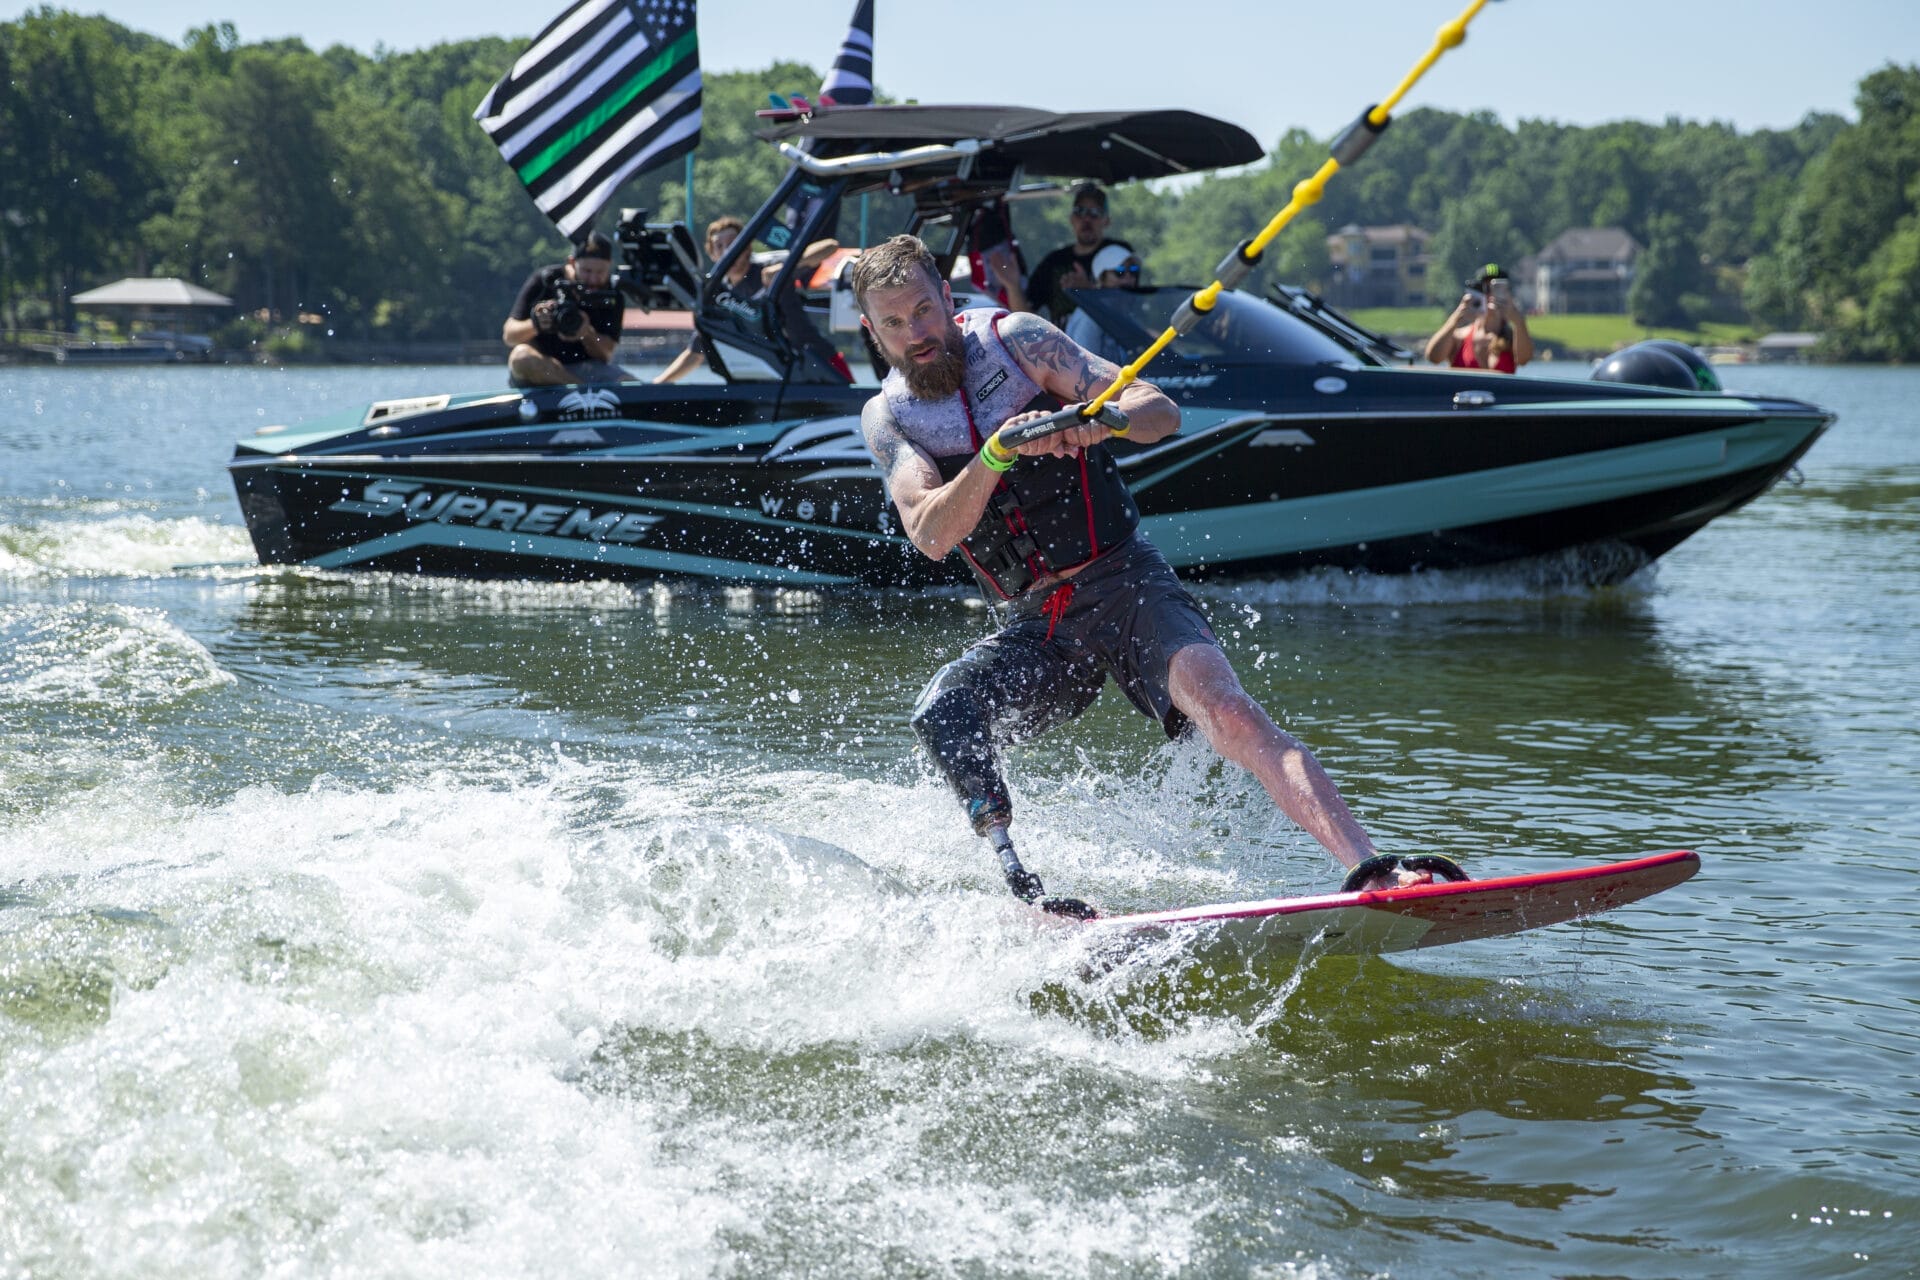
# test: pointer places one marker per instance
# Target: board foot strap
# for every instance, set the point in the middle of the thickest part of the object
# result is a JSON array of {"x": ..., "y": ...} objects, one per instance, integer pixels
[{"x": 1443, "y": 867}]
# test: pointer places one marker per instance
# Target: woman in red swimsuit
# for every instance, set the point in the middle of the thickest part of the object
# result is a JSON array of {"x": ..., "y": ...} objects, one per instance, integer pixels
[{"x": 1486, "y": 331}]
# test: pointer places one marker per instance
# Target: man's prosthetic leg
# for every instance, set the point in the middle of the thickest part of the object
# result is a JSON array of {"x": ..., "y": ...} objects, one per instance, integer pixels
[
  {"x": 954, "y": 728},
  {"x": 955, "y": 722}
]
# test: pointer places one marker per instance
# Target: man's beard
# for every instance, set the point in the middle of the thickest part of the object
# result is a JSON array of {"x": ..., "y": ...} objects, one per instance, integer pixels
[{"x": 939, "y": 378}]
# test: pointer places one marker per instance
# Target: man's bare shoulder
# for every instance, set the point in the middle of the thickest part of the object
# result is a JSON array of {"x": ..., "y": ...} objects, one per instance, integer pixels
[
  {"x": 875, "y": 415},
  {"x": 881, "y": 430}
]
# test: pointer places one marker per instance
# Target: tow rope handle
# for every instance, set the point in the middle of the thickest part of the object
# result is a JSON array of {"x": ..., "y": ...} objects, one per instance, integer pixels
[
  {"x": 1238, "y": 265},
  {"x": 1107, "y": 415}
]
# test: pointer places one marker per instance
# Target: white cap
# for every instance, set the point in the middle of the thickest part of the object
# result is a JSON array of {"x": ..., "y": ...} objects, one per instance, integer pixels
[{"x": 1110, "y": 258}]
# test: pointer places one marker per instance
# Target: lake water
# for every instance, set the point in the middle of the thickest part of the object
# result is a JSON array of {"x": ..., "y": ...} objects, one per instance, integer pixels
[{"x": 372, "y": 926}]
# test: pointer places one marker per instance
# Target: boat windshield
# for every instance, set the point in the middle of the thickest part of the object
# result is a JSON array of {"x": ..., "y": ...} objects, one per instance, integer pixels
[{"x": 1241, "y": 328}]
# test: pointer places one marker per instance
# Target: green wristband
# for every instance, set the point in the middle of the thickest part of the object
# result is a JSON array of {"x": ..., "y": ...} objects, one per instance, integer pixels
[{"x": 987, "y": 450}]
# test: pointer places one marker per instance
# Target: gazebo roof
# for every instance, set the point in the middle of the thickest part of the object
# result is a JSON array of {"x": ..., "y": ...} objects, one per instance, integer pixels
[{"x": 151, "y": 291}]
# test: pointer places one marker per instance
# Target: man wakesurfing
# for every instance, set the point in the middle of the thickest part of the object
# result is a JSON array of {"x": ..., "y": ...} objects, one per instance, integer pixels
[{"x": 1050, "y": 531}]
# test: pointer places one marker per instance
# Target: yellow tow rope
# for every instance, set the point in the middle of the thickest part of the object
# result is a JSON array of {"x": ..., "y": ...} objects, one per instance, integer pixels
[{"x": 1239, "y": 264}]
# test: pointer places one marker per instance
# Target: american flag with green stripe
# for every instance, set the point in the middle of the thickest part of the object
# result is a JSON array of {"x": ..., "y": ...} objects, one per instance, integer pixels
[{"x": 610, "y": 88}]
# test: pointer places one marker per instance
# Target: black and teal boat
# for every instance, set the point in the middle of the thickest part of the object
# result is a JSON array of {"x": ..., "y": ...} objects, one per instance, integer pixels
[{"x": 1306, "y": 441}]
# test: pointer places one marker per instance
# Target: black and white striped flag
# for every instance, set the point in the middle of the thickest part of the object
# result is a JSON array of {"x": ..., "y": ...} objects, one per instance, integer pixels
[
  {"x": 612, "y": 87},
  {"x": 850, "y": 81}
]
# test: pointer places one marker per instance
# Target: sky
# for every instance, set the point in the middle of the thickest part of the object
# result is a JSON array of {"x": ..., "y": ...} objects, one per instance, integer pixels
[{"x": 1268, "y": 65}]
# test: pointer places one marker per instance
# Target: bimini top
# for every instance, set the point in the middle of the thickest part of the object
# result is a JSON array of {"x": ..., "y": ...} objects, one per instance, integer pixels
[{"x": 988, "y": 143}]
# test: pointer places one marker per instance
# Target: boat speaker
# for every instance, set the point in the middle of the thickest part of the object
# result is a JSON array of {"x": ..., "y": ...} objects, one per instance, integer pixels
[
  {"x": 1705, "y": 376},
  {"x": 1647, "y": 365}
]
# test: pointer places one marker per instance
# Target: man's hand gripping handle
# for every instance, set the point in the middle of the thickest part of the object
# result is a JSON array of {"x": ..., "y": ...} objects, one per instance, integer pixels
[{"x": 1074, "y": 415}]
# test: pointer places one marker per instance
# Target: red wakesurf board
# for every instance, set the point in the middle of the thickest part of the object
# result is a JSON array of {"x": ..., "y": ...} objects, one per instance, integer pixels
[{"x": 1376, "y": 921}]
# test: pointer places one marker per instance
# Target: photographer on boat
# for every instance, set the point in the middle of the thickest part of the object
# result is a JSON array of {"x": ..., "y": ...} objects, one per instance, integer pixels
[
  {"x": 565, "y": 324},
  {"x": 1487, "y": 330}
]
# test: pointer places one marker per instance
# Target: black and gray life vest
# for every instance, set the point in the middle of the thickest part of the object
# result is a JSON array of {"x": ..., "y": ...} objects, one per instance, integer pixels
[{"x": 1046, "y": 515}]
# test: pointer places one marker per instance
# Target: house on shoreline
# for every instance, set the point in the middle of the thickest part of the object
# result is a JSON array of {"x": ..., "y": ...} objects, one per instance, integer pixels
[
  {"x": 1583, "y": 270},
  {"x": 1379, "y": 266}
]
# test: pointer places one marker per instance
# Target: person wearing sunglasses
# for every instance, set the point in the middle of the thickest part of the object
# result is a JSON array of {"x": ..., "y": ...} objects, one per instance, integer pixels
[
  {"x": 1071, "y": 265},
  {"x": 1114, "y": 267}
]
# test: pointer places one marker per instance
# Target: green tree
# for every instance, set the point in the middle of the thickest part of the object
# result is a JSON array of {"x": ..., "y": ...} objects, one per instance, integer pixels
[
  {"x": 360, "y": 188},
  {"x": 1889, "y": 325},
  {"x": 1214, "y": 215},
  {"x": 1476, "y": 230},
  {"x": 395, "y": 281},
  {"x": 15, "y": 266},
  {"x": 261, "y": 207},
  {"x": 77, "y": 183},
  {"x": 1857, "y": 202},
  {"x": 1668, "y": 285},
  {"x": 1773, "y": 294},
  {"x": 1604, "y": 178}
]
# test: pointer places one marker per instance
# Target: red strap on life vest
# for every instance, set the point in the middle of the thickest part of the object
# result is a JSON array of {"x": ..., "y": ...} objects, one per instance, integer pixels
[
  {"x": 1056, "y": 606},
  {"x": 1086, "y": 486},
  {"x": 1036, "y": 563}
]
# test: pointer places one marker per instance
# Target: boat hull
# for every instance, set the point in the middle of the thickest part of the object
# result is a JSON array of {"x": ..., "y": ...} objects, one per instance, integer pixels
[{"x": 630, "y": 484}]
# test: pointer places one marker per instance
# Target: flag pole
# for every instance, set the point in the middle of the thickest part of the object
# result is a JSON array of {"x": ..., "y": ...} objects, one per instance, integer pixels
[{"x": 689, "y": 185}]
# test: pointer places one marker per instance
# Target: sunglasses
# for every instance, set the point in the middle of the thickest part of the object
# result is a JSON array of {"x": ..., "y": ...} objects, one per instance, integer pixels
[
  {"x": 1088, "y": 211},
  {"x": 1132, "y": 270}
]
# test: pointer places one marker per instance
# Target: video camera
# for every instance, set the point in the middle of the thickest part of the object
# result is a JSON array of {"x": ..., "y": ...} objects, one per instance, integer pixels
[
  {"x": 573, "y": 300},
  {"x": 660, "y": 267}
]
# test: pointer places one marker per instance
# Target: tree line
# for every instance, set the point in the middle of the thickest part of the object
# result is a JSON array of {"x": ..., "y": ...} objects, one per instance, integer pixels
[{"x": 356, "y": 190}]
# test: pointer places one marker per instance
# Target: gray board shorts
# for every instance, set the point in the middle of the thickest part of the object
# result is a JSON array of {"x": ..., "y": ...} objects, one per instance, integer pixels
[{"x": 1128, "y": 615}]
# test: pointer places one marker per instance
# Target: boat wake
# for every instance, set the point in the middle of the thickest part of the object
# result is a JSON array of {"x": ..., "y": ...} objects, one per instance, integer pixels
[
  {"x": 100, "y": 655},
  {"x": 1573, "y": 571},
  {"x": 740, "y": 1003},
  {"x": 95, "y": 539}
]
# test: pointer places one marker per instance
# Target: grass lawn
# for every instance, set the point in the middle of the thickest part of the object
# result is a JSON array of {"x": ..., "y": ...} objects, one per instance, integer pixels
[{"x": 1567, "y": 335}]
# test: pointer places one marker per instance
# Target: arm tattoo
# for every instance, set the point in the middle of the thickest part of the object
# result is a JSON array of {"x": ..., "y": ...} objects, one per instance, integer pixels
[
  {"x": 1056, "y": 361},
  {"x": 1100, "y": 374},
  {"x": 1059, "y": 364}
]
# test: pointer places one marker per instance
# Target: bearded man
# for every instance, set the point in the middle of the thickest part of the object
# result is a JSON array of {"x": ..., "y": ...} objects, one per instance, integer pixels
[{"x": 1050, "y": 532}]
